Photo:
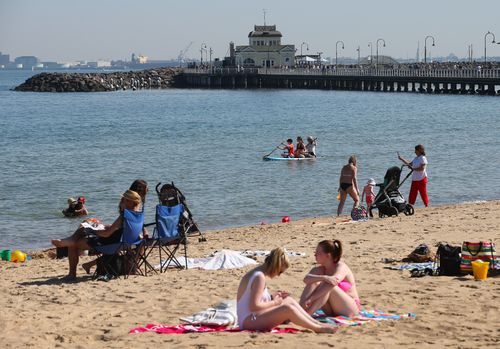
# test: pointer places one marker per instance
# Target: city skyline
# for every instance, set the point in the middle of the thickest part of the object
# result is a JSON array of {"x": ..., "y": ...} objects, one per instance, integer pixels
[{"x": 160, "y": 30}]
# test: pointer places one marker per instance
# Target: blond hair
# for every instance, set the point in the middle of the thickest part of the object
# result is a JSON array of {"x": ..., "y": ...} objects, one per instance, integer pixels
[
  {"x": 132, "y": 196},
  {"x": 276, "y": 263}
]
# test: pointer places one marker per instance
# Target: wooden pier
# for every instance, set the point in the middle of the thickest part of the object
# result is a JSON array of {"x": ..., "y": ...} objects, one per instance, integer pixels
[{"x": 446, "y": 81}]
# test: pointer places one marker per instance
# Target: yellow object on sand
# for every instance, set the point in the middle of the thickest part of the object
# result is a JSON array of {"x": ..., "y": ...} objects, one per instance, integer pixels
[
  {"x": 18, "y": 256},
  {"x": 480, "y": 269}
]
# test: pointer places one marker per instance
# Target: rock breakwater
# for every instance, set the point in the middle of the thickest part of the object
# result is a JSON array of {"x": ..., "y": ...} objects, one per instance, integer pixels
[{"x": 100, "y": 82}]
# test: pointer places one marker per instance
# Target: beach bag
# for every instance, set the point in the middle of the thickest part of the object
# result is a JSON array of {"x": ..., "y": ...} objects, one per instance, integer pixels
[
  {"x": 116, "y": 265},
  {"x": 473, "y": 251},
  {"x": 421, "y": 254},
  {"x": 449, "y": 258},
  {"x": 359, "y": 213}
]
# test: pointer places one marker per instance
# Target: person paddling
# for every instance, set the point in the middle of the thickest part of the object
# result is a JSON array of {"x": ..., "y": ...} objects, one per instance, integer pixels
[{"x": 290, "y": 153}]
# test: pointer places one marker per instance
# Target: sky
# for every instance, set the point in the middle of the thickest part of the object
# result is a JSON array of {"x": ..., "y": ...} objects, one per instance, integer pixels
[{"x": 65, "y": 30}]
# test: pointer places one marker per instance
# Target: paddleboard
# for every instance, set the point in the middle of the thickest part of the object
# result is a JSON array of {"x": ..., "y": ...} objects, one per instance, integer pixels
[{"x": 280, "y": 158}]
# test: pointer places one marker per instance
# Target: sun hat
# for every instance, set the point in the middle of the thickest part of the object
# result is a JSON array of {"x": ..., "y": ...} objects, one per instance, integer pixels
[
  {"x": 71, "y": 201},
  {"x": 81, "y": 199},
  {"x": 310, "y": 138},
  {"x": 371, "y": 181},
  {"x": 132, "y": 196}
]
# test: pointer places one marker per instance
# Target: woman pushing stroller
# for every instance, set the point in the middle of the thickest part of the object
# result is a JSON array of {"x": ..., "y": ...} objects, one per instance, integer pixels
[{"x": 419, "y": 175}]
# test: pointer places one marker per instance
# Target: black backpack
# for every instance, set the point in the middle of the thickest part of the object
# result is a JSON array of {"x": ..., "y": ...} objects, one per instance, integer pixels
[{"x": 448, "y": 258}]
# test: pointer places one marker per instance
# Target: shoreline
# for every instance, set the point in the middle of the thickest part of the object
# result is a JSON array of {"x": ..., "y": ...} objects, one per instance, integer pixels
[
  {"x": 345, "y": 216},
  {"x": 39, "y": 309}
]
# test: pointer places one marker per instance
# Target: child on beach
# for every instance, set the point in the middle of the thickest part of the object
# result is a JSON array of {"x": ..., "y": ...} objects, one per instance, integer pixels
[
  {"x": 290, "y": 153},
  {"x": 368, "y": 192}
]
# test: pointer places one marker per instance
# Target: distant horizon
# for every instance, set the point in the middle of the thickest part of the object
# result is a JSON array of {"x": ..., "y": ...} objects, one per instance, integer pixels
[{"x": 160, "y": 30}]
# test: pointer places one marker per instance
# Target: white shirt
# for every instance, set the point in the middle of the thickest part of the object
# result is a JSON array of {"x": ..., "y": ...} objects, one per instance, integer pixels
[
  {"x": 417, "y": 162},
  {"x": 311, "y": 148}
]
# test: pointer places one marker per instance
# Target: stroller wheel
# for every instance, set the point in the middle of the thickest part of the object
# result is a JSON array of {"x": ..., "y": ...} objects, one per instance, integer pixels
[
  {"x": 392, "y": 211},
  {"x": 409, "y": 210}
]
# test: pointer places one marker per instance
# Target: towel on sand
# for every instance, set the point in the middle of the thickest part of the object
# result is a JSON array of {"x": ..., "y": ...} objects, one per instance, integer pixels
[
  {"x": 411, "y": 266},
  {"x": 363, "y": 317},
  {"x": 225, "y": 259},
  {"x": 222, "y": 314},
  {"x": 190, "y": 329}
]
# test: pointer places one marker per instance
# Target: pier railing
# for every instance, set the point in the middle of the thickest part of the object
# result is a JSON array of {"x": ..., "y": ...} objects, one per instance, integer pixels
[{"x": 369, "y": 72}]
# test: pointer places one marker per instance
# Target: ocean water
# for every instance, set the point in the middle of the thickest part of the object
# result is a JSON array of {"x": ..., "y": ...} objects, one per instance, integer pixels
[{"x": 211, "y": 143}]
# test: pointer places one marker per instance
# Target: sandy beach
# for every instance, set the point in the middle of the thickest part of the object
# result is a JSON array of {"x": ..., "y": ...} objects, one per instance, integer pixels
[{"x": 38, "y": 310}]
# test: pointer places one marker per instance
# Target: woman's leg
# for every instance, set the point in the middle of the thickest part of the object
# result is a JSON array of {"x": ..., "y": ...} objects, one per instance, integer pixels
[
  {"x": 317, "y": 299},
  {"x": 413, "y": 192},
  {"x": 285, "y": 312},
  {"x": 74, "y": 256},
  {"x": 341, "y": 303},
  {"x": 354, "y": 195},
  {"x": 343, "y": 196},
  {"x": 87, "y": 266},
  {"x": 423, "y": 191},
  {"x": 70, "y": 240}
]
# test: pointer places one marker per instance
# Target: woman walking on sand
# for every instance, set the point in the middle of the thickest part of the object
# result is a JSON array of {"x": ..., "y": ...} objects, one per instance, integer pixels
[
  {"x": 419, "y": 175},
  {"x": 348, "y": 183}
]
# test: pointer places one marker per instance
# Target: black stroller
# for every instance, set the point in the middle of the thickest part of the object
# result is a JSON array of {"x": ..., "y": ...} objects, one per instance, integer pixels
[
  {"x": 389, "y": 200},
  {"x": 169, "y": 195}
]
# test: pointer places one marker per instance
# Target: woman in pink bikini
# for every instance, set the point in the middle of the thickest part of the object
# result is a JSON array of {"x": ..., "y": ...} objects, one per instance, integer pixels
[
  {"x": 331, "y": 285},
  {"x": 259, "y": 310}
]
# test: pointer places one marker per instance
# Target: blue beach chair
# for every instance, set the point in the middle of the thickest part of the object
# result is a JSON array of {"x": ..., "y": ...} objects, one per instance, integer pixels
[
  {"x": 127, "y": 250},
  {"x": 169, "y": 235}
]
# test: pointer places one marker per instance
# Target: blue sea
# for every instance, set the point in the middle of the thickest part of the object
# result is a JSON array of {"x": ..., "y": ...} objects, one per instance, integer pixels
[{"x": 210, "y": 143}]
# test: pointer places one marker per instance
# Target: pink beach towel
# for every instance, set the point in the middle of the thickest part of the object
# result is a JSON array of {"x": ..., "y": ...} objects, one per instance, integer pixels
[{"x": 178, "y": 329}]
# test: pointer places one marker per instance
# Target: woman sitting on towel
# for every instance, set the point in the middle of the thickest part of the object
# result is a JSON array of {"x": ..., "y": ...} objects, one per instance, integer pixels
[
  {"x": 331, "y": 285},
  {"x": 259, "y": 310},
  {"x": 84, "y": 238}
]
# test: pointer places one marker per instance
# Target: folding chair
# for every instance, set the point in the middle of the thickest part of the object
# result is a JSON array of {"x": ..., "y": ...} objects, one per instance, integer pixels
[
  {"x": 169, "y": 234},
  {"x": 128, "y": 248}
]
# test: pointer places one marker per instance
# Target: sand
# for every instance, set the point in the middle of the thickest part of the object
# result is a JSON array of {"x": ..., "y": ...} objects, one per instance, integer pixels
[{"x": 38, "y": 310}]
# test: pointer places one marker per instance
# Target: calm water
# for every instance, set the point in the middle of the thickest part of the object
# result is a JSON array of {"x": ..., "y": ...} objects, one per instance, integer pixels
[{"x": 210, "y": 143}]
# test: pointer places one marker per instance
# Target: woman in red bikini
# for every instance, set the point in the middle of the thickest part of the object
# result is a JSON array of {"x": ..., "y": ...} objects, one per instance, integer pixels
[{"x": 331, "y": 285}]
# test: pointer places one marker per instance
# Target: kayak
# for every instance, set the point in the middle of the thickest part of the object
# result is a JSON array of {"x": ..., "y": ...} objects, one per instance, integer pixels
[{"x": 280, "y": 158}]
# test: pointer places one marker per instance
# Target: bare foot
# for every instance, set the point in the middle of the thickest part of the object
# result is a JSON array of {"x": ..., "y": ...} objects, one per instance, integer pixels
[
  {"x": 328, "y": 329},
  {"x": 69, "y": 278},
  {"x": 86, "y": 267}
]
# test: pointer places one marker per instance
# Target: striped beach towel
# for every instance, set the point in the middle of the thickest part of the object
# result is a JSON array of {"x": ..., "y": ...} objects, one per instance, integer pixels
[{"x": 364, "y": 317}]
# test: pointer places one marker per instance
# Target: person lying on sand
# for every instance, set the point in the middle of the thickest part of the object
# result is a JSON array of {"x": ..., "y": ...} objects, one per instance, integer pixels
[
  {"x": 257, "y": 309},
  {"x": 331, "y": 285}
]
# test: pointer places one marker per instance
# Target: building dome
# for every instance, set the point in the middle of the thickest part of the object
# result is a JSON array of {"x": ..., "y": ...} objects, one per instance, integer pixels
[{"x": 267, "y": 31}]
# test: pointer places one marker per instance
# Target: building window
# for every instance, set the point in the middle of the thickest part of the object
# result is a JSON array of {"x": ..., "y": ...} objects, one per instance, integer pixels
[
  {"x": 287, "y": 59},
  {"x": 248, "y": 61}
]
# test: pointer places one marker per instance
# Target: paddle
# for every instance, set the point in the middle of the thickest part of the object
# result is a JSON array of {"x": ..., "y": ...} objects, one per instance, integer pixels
[{"x": 277, "y": 147}]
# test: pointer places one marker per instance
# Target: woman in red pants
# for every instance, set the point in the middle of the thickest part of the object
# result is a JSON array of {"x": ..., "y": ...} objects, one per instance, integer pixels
[{"x": 419, "y": 175}]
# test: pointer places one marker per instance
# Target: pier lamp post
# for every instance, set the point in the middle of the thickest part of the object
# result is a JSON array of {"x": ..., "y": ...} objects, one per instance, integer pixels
[
  {"x": 425, "y": 46},
  {"x": 359, "y": 53},
  {"x": 370, "y": 45},
  {"x": 301, "y": 46},
  {"x": 493, "y": 41},
  {"x": 203, "y": 47},
  {"x": 377, "y": 49},
  {"x": 336, "y": 49}
]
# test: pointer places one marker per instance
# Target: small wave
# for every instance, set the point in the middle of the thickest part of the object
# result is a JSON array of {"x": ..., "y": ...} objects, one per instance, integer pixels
[{"x": 475, "y": 202}]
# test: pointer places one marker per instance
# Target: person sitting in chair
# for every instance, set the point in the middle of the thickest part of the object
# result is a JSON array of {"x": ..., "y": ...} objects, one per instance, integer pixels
[{"x": 84, "y": 238}]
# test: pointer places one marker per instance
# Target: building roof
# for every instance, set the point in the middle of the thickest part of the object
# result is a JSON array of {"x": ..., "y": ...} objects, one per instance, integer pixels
[
  {"x": 265, "y": 48},
  {"x": 264, "y": 31}
]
